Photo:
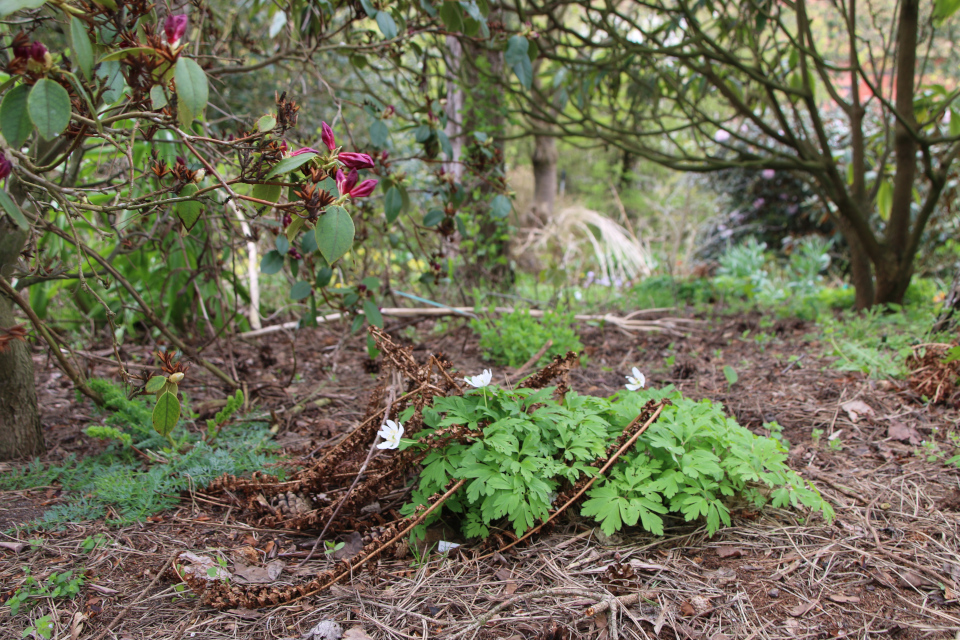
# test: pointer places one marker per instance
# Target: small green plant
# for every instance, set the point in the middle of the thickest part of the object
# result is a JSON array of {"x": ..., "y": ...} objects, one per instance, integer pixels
[
  {"x": 57, "y": 585},
  {"x": 515, "y": 337},
  {"x": 92, "y": 543},
  {"x": 686, "y": 463},
  {"x": 835, "y": 443},
  {"x": 42, "y": 626},
  {"x": 332, "y": 546},
  {"x": 730, "y": 374},
  {"x": 214, "y": 426},
  {"x": 776, "y": 432},
  {"x": 815, "y": 436}
]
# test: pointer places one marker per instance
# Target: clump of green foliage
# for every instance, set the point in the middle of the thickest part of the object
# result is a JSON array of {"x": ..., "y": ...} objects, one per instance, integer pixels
[
  {"x": 657, "y": 292},
  {"x": 688, "y": 463},
  {"x": 56, "y": 585},
  {"x": 513, "y": 338},
  {"x": 118, "y": 482}
]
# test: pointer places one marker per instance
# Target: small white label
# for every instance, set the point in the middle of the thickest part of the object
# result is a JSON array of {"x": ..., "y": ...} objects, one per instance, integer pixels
[{"x": 443, "y": 546}]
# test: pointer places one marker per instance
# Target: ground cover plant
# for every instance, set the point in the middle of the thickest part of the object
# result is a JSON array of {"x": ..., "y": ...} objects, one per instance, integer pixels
[{"x": 515, "y": 337}]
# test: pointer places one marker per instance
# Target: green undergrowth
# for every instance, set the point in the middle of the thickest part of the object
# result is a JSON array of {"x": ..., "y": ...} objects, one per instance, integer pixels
[
  {"x": 691, "y": 463},
  {"x": 513, "y": 338},
  {"x": 138, "y": 475}
]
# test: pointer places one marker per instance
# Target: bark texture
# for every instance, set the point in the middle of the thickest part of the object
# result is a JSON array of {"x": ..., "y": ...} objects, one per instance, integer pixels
[
  {"x": 545, "y": 158},
  {"x": 20, "y": 431}
]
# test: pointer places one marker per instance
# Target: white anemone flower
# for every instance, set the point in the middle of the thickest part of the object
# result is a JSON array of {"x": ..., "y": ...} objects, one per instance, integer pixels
[
  {"x": 480, "y": 381},
  {"x": 391, "y": 433},
  {"x": 636, "y": 381}
]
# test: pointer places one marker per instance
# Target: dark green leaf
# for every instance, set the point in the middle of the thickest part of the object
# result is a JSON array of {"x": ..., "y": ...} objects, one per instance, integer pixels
[
  {"x": 166, "y": 414},
  {"x": 158, "y": 97},
  {"x": 114, "y": 56},
  {"x": 289, "y": 164},
  {"x": 192, "y": 90},
  {"x": 368, "y": 8},
  {"x": 379, "y": 133},
  {"x": 271, "y": 263},
  {"x": 433, "y": 217},
  {"x": 445, "y": 144},
  {"x": 452, "y": 16},
  {"x": 393, "y": 203},
  {"x": 12, "y": 6},
  {"x": 388, "y": 26},
  {"x": 373, "y": 314},
  {"x": 335, "y": 233},
  {"x": 82, "y": 49},
  {"x": 357, "y": 323},
  {"x": 500, "y": 206},
  {"x": 300, "y": 290},
  {"x": 371, "y": 282},
  {"x": 308, "y": 243},
  {"x": 283, "y": 245},
  {"x": 49, "y": 108},
  {"x": 324, "y": 275},
  {"x": 15, "y": 123},
  {"x": 189, "y": 211},
  {"x": 268, "y": 192}
]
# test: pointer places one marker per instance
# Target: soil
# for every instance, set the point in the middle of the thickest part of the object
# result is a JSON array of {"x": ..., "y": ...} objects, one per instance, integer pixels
[{"x": 888, "y": 564}]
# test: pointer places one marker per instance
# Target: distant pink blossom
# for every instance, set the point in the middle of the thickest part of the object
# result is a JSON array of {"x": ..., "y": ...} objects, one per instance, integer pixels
[{"x": 768, "y": 174}]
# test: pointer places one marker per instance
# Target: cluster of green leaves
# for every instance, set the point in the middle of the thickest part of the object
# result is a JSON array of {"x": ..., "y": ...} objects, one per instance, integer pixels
[
  {"x": 57, "y": 585},
  {"x": 513, "y": 338},
  {"x": 117, "y": 479},
  {"x": 688, "y": 463},
  {"x": 661, "y": 291}
]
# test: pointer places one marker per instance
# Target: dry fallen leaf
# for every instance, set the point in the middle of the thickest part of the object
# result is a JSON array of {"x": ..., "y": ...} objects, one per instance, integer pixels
[
  {"x": 915, "y": 580},
  {"x": 856, "y": 409},
  {"x": 511, "y": 587},
  {"x": 16, "y": 547},
  {"x": 904, "y": 433},
  {"x": 842, "y": 599},
  {"x": 356, "y": 633},
  {"x": 729, "y": 552},
  {"x": 803, "y": 608},
  {"x": 246, "y": 574},
  {"x": 327, "y": 630},
  {"x": 687, "y": 609}
]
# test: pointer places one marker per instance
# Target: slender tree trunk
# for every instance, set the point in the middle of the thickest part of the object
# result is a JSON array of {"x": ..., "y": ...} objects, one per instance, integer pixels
[
  {"x": 454, "y": 108},
  {"x": 20, "y": 432},
  {"x": 545, "y": 158}
]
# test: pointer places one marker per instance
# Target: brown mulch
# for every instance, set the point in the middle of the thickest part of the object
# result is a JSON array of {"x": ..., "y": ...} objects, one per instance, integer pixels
[{"x": 889, "y": 563}]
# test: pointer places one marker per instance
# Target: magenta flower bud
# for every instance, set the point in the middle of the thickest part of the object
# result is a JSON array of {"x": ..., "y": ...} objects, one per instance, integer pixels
[
  {"x": 5, "y": 166},
  {"x": 174, "y": 27},
  {"x": 304, "y": 150},
  {"x": 363, "y": 189},
  {"x": 37, "y": 51},
  {"x": 326, "y": 135},
  {"x": 356, "y": 160},
  {"x": 347, "y": 182}
]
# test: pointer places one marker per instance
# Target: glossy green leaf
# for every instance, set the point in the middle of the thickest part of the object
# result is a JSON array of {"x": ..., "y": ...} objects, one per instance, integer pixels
[
  {"x": 15, "y": 123},
  {"x": 290, "y": 164},
  {"x": 271, "y": 263},
  {"x": 166, "y": 413},
  {"x": 335, "y": 233},
  {"x": 12, "y": 210},
  {"x": 49, "y": 107},
  {"x": 393, "y": 203},
  {"x": 266, "y": 123},
  {"x": 300, "y": 290},
  {"x": 283, "y": 245},
  {"x": 308, "y": 242},
  {"x": 189, "y": 211},
  {"x": 324, "y": 275},
  {"x": 192, "y": 90},
  {"x": 82, "y": 48},
  {"x": 155, "y": 384}
]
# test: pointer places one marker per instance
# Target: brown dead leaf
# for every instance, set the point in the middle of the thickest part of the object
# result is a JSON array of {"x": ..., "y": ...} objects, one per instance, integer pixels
[
  {"x": 511, "y": 587},
  {"x": 915, "y": 580},
  {"x": 856, "y": 409},
  {"x": 246, "y": 614},
  {"x": 503, "y": 574},
  {"x": 247, "y": 574},
  {"x": 729, "y": 552},
  {"x": 687, "y": 609},
  {"x": 803, "y": 608},
  {"x": 904, "y": 433},
  {"x": 356, "y": 633},
  {"x": 246, "y": 554},
  {"x": 842, "y": 599},
  {"x": 600, "y": 620}
]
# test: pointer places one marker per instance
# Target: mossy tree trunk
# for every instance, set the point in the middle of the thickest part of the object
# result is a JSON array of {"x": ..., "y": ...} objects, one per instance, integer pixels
[{"x": 20, "y": 432}]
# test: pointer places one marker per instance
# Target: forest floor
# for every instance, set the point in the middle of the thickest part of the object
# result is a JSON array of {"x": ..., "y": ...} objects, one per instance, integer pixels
[{"x": 889, "y": 564}]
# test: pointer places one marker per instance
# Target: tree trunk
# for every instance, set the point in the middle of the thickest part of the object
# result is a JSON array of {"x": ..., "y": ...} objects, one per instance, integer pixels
[
  {"x": 20, "y": 431},
  {"x": 544, "y": 176}
]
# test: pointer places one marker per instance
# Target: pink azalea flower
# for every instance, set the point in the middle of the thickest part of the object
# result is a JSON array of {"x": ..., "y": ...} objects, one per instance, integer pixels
[
  {"x": 174, "y": 27},
  {"x": 326, "y": 135},
  {"x": 347, "y": 184},
  {"x": 356, "y": 160}
]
